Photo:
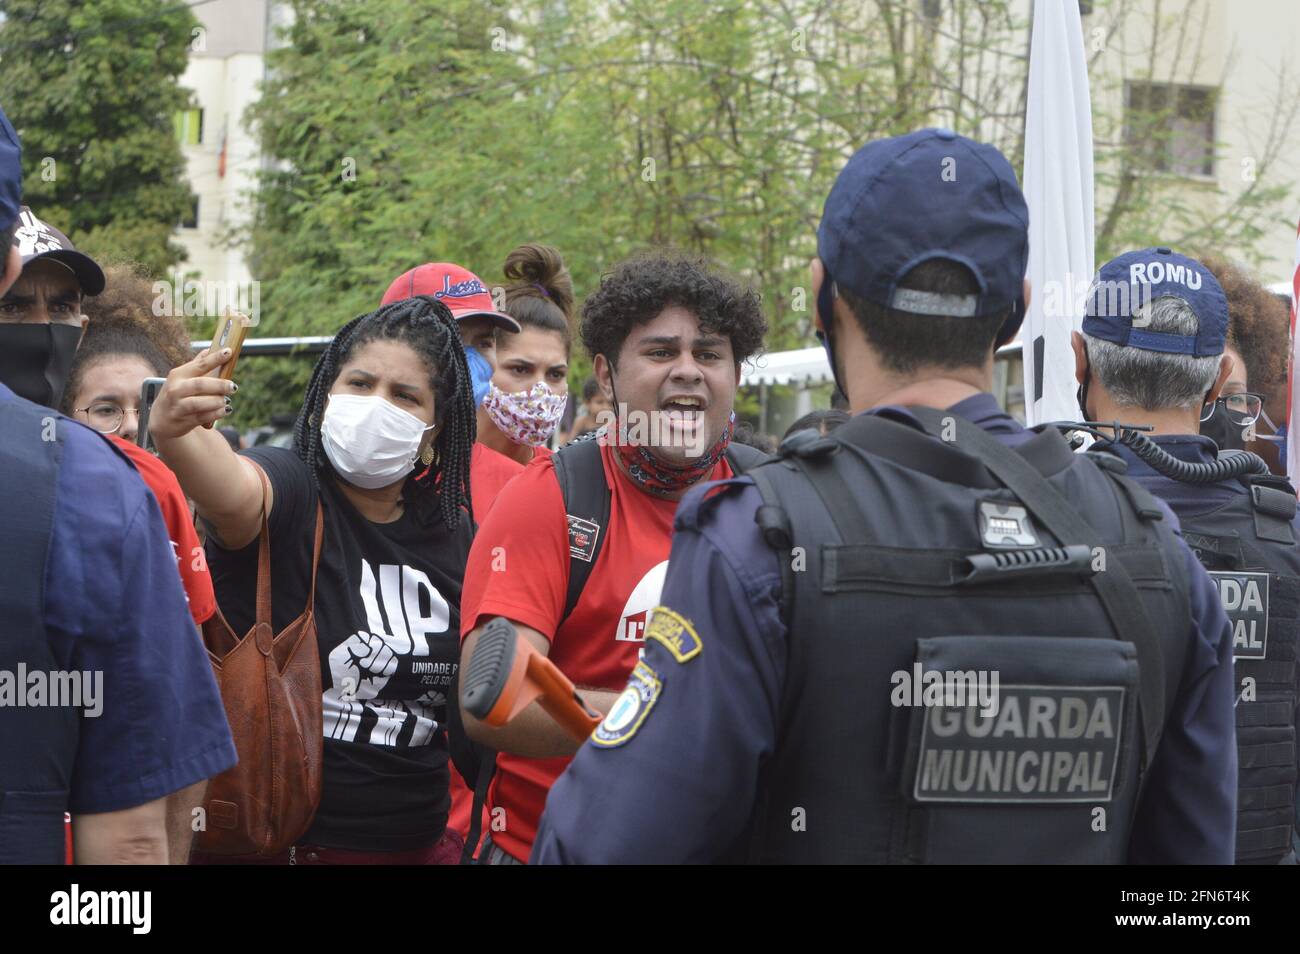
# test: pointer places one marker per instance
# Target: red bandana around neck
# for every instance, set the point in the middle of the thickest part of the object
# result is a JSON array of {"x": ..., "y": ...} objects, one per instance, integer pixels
[{"x": 663, "y": 480}]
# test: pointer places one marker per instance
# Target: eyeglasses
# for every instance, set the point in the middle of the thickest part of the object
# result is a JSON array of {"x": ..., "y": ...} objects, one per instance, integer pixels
[
  {"x": 1243, "y": 408},
  {"x": 105, "y": 416}
]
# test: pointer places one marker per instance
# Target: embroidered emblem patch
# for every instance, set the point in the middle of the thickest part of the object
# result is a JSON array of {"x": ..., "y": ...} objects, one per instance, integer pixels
[
  {"x": 675, "y": 632},
  {"x": 629, "y": 709}
]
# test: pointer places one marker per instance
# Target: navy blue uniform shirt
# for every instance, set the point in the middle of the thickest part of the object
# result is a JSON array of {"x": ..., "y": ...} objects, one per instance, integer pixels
[
  {"x": 1193, "y": 500},
  {"x": 682, "y": 787},
  {"x": 114, "y": 604}
]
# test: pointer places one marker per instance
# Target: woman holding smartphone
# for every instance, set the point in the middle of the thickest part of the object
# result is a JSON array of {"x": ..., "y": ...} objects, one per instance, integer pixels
[{"x": 383, "y": 442}]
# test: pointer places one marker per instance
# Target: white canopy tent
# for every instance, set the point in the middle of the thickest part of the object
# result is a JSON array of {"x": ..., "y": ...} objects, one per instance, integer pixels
[{"x": 805, "y": 367}]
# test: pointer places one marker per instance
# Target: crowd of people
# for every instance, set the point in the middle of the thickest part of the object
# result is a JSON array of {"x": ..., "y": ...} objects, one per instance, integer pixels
[{"x": 734, "y": 612}]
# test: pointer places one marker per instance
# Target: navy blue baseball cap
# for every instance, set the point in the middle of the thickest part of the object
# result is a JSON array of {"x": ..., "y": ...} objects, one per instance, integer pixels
[
  {"x": 11, "y": 173},
  {"x": 930, "y": 194},
  {"x": 1126, "y": 285}
]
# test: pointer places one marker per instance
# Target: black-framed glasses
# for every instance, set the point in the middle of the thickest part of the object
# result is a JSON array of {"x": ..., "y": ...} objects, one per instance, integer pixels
[
  {"x": 105, "y": 416},
  {"x": 1243, "y": 408}
]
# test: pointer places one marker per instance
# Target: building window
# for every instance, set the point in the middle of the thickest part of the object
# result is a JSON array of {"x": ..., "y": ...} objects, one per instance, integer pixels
[
  {"x": 1172, "y": 126},
  {"x": 191, "y": 218},
  {"x": 189, "y": 127}
]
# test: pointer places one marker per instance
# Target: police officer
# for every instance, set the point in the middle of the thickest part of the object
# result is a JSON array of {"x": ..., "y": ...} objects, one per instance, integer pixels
[
  {"x": 1151, "y": 354},
  {"x": 107, "y": 701},
  {"x": 932, "y": 636}
]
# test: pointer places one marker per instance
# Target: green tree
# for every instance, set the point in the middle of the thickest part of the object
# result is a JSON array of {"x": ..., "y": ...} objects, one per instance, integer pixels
[
  {"x": 403, "y": 131},
  {"x": 92, "y": 88}
]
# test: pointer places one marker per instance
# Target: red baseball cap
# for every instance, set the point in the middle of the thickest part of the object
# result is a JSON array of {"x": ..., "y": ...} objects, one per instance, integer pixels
[{"x": 458, "y": 288}]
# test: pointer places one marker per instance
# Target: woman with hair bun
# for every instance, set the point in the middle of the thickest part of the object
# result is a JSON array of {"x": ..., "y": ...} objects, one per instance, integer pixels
[
  {"x": 525, "y": 399},
  {"x": 530, "y": 386}
]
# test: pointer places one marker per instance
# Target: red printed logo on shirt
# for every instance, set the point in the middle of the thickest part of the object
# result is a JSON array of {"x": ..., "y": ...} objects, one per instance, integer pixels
[{"x": 644, "y": 598}]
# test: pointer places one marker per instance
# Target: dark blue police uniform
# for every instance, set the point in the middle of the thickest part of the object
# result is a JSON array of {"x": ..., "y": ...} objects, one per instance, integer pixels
[
  {"x": 105, "y": 601},
  {"x": 675, "y": 780},
  {"x": 1212, "y": 515}
]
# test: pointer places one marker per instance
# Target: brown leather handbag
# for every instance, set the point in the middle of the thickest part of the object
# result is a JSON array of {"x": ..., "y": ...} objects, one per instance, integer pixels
[{"x": 271, "y": 687}]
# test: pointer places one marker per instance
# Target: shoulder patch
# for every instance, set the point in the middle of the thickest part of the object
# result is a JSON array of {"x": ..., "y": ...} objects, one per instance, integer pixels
[
  {"x": 675, "y": 632},
  {"x": 630, "y": 709}
]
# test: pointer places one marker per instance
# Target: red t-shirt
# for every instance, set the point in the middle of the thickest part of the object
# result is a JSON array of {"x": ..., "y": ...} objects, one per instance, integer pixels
[
  {"x": 190, "y": 561},
  {"x": 488, "y": 473},
  {"x": 598, "y": 644}
]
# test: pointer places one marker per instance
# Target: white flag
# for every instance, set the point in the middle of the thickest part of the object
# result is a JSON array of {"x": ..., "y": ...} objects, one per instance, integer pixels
[
  {"x": 1058, "y": 189},
  {"x": 1293, "y": 421}
]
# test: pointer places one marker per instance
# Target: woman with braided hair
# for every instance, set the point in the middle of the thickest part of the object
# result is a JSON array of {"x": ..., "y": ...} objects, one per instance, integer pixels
[{"x": 383, "y": 441}]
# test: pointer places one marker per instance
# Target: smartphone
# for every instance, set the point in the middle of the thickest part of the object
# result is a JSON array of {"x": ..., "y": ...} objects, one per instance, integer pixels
[
  {"x": 229, "y": 333},
  {"x": 148, "y": 394}
]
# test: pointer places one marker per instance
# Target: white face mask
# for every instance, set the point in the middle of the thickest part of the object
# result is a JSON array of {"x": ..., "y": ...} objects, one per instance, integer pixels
[{"x": 370, "y": 441}]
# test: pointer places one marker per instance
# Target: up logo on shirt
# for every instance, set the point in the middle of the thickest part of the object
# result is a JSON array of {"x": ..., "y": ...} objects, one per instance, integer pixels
[
  {"x": 362, "y": 665},
  {"x": 644, "y": 598}
]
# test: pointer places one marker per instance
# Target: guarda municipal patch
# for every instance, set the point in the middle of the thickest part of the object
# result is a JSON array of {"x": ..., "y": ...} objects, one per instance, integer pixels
[
  {"x": 1245, "y": 600},
  {"x": 675, "y": 632},
  {"x": 629, "y": 709},
  {"x": 1045, "y": 744}
]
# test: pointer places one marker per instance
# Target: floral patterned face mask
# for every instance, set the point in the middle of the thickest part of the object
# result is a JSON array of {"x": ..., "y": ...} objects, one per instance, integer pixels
[{"x": 526, "y": 417}]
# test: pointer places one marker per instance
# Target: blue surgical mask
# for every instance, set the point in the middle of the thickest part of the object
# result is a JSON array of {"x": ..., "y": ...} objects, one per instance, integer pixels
[{"x": 480, "y": 372}]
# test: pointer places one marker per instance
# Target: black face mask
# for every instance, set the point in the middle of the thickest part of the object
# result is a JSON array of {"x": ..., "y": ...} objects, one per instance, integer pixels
[
  {"x": 1223, "y": 430},
  {"x": 35, "y": 359}
]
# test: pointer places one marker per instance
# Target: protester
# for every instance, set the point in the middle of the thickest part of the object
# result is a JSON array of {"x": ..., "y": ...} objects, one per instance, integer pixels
[
  {"x": 667, "y": 333},
  {"x": 43, "y": 309},
  {"x": 1259, "y": 337},
  {"x": 383, "y": 443},
  {"x": 526, "y": 396},
  {"x": 479, "y": 321},
  {"x": 747, "y": 435},
  {"x": 803, "y": 599},
  {"x": 530, "y": 386},
  {"x": 90, "y": 592},
  {"x": 596, "y": 410}
]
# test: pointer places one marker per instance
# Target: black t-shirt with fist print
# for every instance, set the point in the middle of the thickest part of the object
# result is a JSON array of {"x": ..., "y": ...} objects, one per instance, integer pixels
[{"x": 388, "y": 622}]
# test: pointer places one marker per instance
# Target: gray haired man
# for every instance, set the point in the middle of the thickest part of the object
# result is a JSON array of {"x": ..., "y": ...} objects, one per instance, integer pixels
[{"x": 1151, "y": 354}]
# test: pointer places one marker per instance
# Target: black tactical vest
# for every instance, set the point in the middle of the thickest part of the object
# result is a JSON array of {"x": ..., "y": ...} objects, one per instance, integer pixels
[
  {"x": 1249, "y": 547},
  {"x": 908, "y": 562},
  {"x": 37, "y": 744}
]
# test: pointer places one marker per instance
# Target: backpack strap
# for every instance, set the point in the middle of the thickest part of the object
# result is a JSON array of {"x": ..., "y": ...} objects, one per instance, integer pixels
[
  {"x": 581, "y": 475},
  {"x": 487, "y": 769}
]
